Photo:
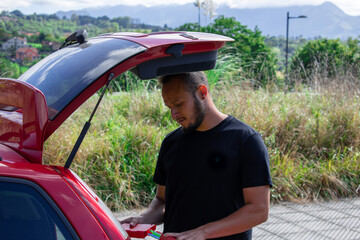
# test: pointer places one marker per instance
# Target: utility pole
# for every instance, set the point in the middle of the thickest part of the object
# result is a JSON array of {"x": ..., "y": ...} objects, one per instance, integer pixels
[
  {"x": 287, "y": 47},
  {"x": 198, "y": 4}
]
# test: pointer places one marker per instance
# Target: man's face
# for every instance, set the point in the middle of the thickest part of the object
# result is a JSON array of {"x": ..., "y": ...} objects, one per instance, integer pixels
[{"x": 185, "y": 108}]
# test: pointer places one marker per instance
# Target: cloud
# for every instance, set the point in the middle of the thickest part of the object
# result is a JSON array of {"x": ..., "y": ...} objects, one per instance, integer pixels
[
  {"x": 351, "y": 7},
  {"x": 9, "y": 4},
  {"x": 51, "y": 6}
]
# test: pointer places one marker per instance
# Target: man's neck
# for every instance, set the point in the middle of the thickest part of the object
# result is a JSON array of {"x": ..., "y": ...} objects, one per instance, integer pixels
[{"x": 211, "y": 119}]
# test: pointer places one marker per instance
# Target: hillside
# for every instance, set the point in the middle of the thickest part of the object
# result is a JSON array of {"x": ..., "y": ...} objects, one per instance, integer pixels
[{"x": 325, "y": 20}]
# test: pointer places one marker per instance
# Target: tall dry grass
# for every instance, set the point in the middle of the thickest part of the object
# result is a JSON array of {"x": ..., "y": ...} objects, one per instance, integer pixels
[{"x": 312, "y": 136}]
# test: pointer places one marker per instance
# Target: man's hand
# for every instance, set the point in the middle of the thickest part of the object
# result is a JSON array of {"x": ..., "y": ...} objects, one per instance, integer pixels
[
  {"x": 154, "y": 214},
  {"x": 133, "y": 221},
  {"x": 195, "y": 234}
]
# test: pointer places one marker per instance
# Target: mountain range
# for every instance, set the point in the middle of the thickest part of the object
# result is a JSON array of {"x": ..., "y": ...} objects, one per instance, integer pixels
[{"x": 325, "y": 20}]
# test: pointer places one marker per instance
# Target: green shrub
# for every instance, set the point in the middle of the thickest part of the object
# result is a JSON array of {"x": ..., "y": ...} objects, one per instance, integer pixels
[
  {"x": 9, "y": 69},
  {"x": 325, "y": 60}
]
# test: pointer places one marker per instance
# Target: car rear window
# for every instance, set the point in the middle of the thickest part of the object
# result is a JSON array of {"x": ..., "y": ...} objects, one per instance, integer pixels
[
  {"x": 63, "y": 75},
  {"x": 26, "y": 213}
]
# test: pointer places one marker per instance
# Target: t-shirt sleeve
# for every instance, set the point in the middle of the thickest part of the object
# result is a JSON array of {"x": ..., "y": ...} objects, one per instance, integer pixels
[
  {"x": 255, "y": 169},
  {"x": 160, "y": 175}
]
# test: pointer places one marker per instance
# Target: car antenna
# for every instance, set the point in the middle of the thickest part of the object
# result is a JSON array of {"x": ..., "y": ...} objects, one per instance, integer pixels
[{"x": 87, "y": 125}]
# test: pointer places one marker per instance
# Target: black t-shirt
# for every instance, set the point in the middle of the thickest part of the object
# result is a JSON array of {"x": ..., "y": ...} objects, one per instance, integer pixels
[{"x": 205, "y": 172}]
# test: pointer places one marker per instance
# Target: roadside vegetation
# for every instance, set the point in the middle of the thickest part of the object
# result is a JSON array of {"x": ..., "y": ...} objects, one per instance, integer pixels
[
  {"x": 310, "y": 121},
  {"x": 312, "y": 134}
]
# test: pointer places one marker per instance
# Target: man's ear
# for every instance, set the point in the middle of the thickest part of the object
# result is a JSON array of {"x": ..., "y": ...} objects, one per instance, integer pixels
[{"x": 203, "y": 91}]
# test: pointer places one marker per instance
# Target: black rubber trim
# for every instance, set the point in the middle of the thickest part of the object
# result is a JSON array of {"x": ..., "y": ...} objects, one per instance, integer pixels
[{"x": 171, "y": 65}]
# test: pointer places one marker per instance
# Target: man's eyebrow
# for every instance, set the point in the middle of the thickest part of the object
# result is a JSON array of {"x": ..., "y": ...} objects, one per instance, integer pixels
[
  {"x": 173, "y": 101},
  {"x": 166, "y": 103}
]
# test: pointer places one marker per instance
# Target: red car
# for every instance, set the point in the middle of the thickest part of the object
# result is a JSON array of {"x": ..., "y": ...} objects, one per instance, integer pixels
[{"x": 51, "y": 202}]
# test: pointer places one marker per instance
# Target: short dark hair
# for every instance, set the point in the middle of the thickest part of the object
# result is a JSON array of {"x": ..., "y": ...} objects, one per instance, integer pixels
[{"x": 192, "y": 80}]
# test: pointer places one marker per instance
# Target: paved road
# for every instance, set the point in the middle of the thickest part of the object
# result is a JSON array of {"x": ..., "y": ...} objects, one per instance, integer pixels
[
  {"x": 327, "y": 220},
  {"x": 338, "y": 220}
]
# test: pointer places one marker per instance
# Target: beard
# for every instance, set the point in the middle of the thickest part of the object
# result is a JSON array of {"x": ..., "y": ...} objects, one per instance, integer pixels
[{"x": 199, "y": 114}]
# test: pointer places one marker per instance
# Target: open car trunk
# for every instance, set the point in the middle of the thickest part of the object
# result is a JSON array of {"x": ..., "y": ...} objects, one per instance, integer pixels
[{"x": 35, "y": 105}]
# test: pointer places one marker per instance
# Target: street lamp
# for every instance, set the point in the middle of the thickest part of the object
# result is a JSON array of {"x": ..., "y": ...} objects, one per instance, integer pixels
[{"x": 287, "y": 45}]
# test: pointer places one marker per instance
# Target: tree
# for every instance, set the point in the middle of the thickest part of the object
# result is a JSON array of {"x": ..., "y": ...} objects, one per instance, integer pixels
[
  {"x": 354, "y": 49},
  {"x": 53, "y": 16},
  {"x": 4, "y": 13},
  {"x": 255, "y": 57},
  {"x": 124, "y": 22},
  {"x": 327, "y": 58},
  {"x": 114, "y": 27},
  {"x": 191, "y": 27},
  {"x": 17, "y": 13},
  {"x": 86, "y": 20},
  {"x": 75, "y": 18},
  {"x": 9, "y": 69},
  {"x": 104, "y": 18},
  {"x": 3, "y": 36},
  {"x": 41, "y": 37}
]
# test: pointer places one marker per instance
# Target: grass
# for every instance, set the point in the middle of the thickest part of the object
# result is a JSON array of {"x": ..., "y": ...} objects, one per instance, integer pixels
[
  {"x": 312, "y": 136},
  {"x": 36, "y": 45},
  {"x": 23, "y": 69}
]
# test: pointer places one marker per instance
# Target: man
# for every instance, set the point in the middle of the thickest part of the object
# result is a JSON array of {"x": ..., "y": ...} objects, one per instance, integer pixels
[{"x": 212, "y": 174}]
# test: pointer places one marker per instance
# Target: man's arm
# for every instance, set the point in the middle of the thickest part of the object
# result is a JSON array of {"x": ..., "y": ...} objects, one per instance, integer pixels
[
  {"x": 254, "y": 212},
  {"x": 155, "y": 212}
]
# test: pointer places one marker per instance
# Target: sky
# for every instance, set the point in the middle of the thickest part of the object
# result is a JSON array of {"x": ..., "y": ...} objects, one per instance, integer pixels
[{"x": 350, "y": 7}]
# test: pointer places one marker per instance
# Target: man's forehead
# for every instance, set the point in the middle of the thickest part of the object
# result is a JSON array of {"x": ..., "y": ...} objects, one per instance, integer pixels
[
  {"x": 173, "y": 98},
  {"x": 174, "y": 81},
  {"x": 177, "y": 95},
  {"x": 173, "y": 86}
]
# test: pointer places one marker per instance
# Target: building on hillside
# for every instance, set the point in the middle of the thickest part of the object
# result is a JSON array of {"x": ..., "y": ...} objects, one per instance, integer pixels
[
  {"x": 5, "y": 18},
  {"x": 26, "y": 54},
  {"x": 28, "y": 34},
  {"x": 14, "y": 43}
]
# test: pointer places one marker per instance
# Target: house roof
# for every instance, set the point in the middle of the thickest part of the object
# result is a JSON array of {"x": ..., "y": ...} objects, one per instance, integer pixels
[
  {"x": 34, "y": 51},
  {"x": 19, "y": 38}
]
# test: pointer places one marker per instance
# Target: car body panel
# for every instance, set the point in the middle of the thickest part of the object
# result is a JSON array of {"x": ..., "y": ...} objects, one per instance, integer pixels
[
  {"x": 9, "y": 155},
  {"x": 168, "y": 38},
  {"x": 24, "y": 121},
  {"x": 72, "y": 198},
  {"x": 106, "y": 219}
]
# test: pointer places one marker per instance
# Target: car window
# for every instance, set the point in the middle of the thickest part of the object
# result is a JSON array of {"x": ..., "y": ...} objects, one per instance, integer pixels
[
  {"x": 25, "y": 213},
  {"x": 64, "y": 74}
]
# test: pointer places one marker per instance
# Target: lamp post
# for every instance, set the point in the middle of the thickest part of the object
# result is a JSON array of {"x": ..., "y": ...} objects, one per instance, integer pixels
[{"x": 288, "y": 17}]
